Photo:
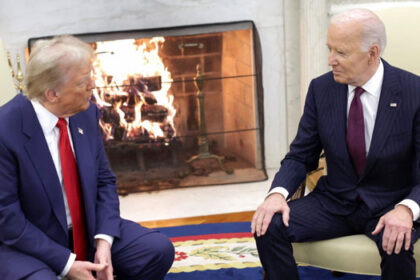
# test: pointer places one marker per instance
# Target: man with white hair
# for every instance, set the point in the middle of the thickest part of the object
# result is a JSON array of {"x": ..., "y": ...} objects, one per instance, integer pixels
[
  {"x": 365, "y": 115},
  {"x": 59, "y": 209}
]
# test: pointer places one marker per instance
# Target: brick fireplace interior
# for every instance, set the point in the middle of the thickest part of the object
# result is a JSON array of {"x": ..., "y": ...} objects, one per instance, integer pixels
[{"x": 153, "y": 120}]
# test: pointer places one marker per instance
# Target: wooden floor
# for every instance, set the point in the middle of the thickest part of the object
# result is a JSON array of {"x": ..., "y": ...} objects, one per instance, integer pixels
[{"x": 220, "y": 218}]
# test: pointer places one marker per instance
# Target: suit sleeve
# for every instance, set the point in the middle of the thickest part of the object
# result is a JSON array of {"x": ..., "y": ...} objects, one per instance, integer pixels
[
  {"x": 15, "y": 230},
  {"x": 415, "y": 192},
  {"x": 304, "y": 151},
  {"x": 107, "y": 205}
]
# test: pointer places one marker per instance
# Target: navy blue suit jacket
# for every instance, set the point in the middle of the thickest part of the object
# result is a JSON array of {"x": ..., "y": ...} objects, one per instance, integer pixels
[
  {"x": 32, "y": 213},
  {"x": 392, "y": 168}
]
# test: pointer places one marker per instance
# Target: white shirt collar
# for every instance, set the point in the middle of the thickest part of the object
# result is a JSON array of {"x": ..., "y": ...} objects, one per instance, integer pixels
[
  {"x": 47, "y": 119},
  {"x": 374, "y": 84}
]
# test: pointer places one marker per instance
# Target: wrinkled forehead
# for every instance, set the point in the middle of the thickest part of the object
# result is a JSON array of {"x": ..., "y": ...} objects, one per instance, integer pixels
[{"x": 344, "y": 33}]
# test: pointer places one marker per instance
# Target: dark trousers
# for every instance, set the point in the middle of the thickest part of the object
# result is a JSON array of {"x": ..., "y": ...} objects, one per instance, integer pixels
[
  {"x": 139, "y": 254},
  {"x": 309, "y": 221}
]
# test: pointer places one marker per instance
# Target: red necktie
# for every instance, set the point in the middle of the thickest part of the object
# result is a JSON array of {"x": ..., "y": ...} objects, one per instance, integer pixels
[
  {"x": 356, "y": 132},
  {"x": 73, "y": 192}
]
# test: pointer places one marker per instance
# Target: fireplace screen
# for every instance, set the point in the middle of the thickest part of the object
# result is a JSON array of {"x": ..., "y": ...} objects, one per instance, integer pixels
[{"x": 181, "y": 106}]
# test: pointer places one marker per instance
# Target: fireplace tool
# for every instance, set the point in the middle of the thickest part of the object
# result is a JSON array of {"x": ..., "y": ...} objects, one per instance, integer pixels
[{"x": 203, "y": 143}]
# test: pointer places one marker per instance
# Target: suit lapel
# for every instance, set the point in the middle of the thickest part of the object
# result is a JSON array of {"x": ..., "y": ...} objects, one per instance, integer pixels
[
  {"x": 385, "y": 116},
  {"x": 339, "y": 121},
  {"x": 40, "y": 156},
  {"x": 85, "y": 165}
]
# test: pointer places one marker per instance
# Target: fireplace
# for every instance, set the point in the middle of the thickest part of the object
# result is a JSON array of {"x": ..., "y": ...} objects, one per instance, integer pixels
[{"x": 180, "y": 106}]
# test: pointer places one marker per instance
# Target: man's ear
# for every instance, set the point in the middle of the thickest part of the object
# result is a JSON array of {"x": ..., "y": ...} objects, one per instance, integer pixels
[
  {"x": 50, "y": 95},
  {"x": 374, "y": 53}
]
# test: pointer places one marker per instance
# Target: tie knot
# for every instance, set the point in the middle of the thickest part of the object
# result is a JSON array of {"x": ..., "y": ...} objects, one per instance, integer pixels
[
  {"x": 62, "y": 123},
  {"x": 358, "y": 91}
]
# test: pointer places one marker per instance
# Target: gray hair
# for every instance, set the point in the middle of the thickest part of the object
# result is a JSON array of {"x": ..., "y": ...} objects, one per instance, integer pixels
[
  {"x": 373, "y": 29},
  {"x": 50, "y": 61}
]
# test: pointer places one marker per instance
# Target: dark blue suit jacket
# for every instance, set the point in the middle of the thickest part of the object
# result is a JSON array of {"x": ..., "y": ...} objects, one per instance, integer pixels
[
  {"x": 392, "y": 168},
  {"x": 32, "y": 214}
]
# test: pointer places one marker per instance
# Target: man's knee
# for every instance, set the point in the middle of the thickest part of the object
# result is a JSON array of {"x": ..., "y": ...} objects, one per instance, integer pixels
[
  {"x": 149, "y": 257},
  {"x": 164, "y": 252},
  {"x": 276, "y": 230},
  {"x": 160, "y": 259}
]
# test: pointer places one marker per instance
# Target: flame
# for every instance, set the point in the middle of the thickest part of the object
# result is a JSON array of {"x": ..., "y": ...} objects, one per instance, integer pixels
[{"x": 118, "y": 67}]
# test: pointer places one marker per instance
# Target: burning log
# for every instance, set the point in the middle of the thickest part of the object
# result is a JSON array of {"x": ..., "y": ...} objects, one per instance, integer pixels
[
  {"x": 149, "y": 83},
  {"x": 155, "y": 113},
  {"x": 109, "y": 115},
  {"x": 143, "y": 86}
]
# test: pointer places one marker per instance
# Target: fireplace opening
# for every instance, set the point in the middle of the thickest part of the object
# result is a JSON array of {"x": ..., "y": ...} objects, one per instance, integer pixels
[{"x": 180, "y": 106}]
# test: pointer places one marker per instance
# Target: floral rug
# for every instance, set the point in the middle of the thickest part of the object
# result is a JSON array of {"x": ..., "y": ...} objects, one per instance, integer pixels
[
  {"x": 227, "y": 251},
  {"x": 214, "y": 251}
]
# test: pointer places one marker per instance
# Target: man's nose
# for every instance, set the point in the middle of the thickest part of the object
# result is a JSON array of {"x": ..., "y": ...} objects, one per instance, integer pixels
[
  {"x": 91, "y": 84},
  {"x": 332, "y": 59}
]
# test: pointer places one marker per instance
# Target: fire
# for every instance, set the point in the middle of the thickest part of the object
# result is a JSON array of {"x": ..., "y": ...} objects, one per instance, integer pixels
[{"x": 132, "y": 86}]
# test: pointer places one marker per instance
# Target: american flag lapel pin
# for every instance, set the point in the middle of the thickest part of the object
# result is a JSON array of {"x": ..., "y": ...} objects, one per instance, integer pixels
[
  {"x": 393, "y": 104},
  {"x": 80, "y": 130}
]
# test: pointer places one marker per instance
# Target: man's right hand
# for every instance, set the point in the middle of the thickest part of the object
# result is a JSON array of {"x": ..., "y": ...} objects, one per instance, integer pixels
[
  {"x": 274, "y": 203},
  {"x": 81, "y": 270}
]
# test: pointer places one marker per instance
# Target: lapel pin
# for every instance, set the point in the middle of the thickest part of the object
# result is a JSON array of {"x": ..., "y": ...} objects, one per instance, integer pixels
[
  {"x": 393, "y": 105},
  {"x": 80, "y": 130}
]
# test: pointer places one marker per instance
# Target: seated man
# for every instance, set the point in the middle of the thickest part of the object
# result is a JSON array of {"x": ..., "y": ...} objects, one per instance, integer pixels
[
  {"x": 59, "y": 209},
  {"x": 365, "y": 115}
]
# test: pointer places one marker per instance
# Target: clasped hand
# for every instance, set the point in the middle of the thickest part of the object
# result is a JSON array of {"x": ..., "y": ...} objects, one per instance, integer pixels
[{"x": 82, "y": 270}]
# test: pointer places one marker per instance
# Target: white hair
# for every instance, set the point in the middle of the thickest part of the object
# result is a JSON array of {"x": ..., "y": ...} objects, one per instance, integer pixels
[
  {"x": 373, "y": 29},
  {"x": 50, "y": 61}
]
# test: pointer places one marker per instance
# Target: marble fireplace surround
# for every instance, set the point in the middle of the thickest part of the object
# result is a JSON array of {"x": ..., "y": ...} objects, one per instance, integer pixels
[
  {"x": 22, "y": 20},
  {"x": 292, "y": 35}
]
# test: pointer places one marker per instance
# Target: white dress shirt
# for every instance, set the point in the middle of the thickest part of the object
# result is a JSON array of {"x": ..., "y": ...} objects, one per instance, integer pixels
[
  {"x": 48, "y": 123},
  {"x": 370, "y": 102}
]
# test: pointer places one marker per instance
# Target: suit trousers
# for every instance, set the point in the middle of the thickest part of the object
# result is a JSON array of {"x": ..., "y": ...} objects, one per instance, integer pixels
[
  {"x": 139, "y": 253},
  {"x": 310, "y": 221}
]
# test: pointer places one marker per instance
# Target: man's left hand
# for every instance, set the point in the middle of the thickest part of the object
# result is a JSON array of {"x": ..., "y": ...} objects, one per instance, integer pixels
[
  {"x": 397, "y": 225},
  {"x": 103, "y": 256}
]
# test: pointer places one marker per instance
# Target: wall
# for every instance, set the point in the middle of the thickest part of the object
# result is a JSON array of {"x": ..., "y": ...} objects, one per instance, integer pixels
[
  {"x": 22, "y": 19},
  {"x": 401, "y": 23}
]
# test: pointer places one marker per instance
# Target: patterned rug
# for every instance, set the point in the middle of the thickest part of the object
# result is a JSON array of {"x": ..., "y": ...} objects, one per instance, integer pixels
[
  {"x": 227, "y": 251},
  {"x": 214, "y": 251}
]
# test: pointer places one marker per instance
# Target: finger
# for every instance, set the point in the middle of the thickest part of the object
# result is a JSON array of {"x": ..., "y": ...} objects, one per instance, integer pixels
[
  {"x": 266, "y": 222},
  {"x": 104, "y": 275},
  {"x": 110, "y": 272},
  {"x": 385, "y": 239},
  {"x": 391, "y": 242},
  {"x": 378, "y": 227},
  {"x": 96, "y": 266},
  {"x": 399, "y": 242},
  {"x": 260, "y": 219},
  {"x": 407, "y": 240},
  {"x": 254, "y": 220},
  {"x": 286, "y": 216}
]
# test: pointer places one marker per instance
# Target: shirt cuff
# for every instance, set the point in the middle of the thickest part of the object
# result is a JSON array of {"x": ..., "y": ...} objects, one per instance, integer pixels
[
  {"x": 279, "y": 190},
  {"x": 414, "y": 207},
  {"x": 70, "y": 262},
  {"x": 106, "y": 237}
]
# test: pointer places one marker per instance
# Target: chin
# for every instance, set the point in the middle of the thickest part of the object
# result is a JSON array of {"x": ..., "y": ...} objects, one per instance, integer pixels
[
  {"x": 340, "y": 80},
  {"x": 86, "y": 106}
]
